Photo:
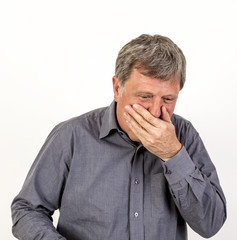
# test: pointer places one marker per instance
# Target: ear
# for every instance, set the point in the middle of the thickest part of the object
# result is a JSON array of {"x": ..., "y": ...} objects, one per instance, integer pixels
[{"x": 116, "y": 88}]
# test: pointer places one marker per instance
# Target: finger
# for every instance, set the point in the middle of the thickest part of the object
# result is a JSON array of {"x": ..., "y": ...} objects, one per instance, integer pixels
[
  {"x": 136, "y": 128},
  {"x": 164, "y": 114},
  {"x": 138, "y": 118},
  {"x": 146, "y": 115}
]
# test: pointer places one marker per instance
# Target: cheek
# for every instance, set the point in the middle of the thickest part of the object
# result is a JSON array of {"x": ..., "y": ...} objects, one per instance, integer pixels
[{"x": 170, "y": 108}]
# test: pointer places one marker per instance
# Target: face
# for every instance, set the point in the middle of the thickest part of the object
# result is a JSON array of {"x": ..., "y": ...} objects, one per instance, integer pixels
[{"x": 149, "y": 92}]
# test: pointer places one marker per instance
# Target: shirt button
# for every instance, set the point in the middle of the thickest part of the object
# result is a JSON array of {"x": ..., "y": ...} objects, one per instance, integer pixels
[
  {"x": 136, "y": 181},
  {"x": 136, "y": 214}
]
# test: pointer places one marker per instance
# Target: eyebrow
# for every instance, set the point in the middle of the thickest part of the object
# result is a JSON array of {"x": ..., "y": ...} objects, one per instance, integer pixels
[
  {"x": 149, "y": 93},
  {"x": 171, "y": 95}
]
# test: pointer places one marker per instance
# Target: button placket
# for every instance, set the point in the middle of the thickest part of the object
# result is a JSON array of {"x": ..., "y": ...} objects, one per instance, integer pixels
[{"x": 136, "y": 197}]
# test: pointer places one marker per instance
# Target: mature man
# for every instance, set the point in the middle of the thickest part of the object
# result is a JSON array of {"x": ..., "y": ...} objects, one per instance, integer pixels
[{"x": 133, "y": 170}]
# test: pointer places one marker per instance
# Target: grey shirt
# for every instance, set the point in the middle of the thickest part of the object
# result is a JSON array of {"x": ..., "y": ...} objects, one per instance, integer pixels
[{"x": 110, "y": 188}]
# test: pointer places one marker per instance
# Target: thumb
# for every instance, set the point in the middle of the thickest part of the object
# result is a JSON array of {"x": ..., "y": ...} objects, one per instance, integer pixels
[{"x": 164, "y": 114}]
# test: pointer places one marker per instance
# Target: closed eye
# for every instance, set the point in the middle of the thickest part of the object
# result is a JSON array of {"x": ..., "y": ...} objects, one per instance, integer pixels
[
  {"x": 169, "y": 100},
  {"x": 145, "y": 96}
]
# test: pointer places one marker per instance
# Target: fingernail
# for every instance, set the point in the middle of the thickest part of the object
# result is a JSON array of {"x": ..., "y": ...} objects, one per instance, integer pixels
[
  {"x": 127, "y": 107},
  {"x": 135, "y": 106}
]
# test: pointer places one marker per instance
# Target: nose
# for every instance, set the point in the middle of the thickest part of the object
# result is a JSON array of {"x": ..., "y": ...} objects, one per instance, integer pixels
[{"x": 155, "y": 108}]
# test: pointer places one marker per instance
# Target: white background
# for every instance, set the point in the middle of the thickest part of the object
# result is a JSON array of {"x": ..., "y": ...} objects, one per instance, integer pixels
[{"x": 57, "y": 61}]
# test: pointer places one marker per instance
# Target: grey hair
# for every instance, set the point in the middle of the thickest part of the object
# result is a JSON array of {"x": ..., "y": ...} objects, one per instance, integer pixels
[{"x": 155, "y": 56}]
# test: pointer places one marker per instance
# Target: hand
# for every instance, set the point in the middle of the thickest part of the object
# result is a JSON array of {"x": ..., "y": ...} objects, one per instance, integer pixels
[{"x": 157, "y": 135}]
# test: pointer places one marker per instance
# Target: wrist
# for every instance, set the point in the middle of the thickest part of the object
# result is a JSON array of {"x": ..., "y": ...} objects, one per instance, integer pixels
[{"x": 172, "y": 153}]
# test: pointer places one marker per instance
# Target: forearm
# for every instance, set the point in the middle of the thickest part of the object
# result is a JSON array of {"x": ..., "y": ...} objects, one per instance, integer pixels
[
  {"x": 200, "y": 201},
  {"x": 31, "y": 223}
]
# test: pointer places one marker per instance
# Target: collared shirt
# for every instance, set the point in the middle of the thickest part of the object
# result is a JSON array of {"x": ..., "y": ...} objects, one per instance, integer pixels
[{"x": 109, "y": 188}]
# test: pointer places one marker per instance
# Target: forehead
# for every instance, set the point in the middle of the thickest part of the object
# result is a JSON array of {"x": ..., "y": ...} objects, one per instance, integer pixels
[{"x": 141, "y": 82}]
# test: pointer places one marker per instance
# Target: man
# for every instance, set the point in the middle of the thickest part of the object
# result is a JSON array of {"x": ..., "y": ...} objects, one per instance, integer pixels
[{"x": 133, "y": 170}]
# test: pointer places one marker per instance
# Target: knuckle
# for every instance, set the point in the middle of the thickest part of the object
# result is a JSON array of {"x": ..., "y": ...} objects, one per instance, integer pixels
[
  {"x": 149, "y": 118},
  {"x": 165, "y": 127},
  {"x": 158, "y": 134},
  {"x": 151, "y": 141},
  {"x": 141, "y": 121}
]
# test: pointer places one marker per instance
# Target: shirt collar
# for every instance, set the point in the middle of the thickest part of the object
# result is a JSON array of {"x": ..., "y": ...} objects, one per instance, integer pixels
[{"x": 109, "y": 120}]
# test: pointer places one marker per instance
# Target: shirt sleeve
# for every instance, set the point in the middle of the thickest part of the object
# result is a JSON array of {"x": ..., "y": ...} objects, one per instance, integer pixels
[
  {"x": 195, "y": 187},
  {"x": 40, "y": 196}
]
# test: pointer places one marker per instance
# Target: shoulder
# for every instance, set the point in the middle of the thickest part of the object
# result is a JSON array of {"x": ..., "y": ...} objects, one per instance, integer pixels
[
  {"x": 180, "y": 122},
  {"x": 90, "y": 121},
  {"x": 185, "y": 130},
  {"x": 87, "y": 119}
]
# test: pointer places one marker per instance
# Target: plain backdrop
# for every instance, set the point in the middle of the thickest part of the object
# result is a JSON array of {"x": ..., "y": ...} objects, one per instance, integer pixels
[{"x": 57, "y": 61}]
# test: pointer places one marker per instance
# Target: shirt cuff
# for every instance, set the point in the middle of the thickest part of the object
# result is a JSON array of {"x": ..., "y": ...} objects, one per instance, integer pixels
[{"x": 178, "y": 167}]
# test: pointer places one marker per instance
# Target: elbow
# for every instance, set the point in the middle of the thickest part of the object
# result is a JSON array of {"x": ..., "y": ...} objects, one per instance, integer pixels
[
  {"x": 212, "y": 229},
  {"x": 213, "y": 219}
]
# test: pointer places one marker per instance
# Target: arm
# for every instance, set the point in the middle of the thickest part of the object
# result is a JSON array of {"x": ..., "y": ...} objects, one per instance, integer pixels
[
  {"x": 191, "y": 176},
  {"x": 195, "y": 189},
  {"x": 40, "y": 196}
]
